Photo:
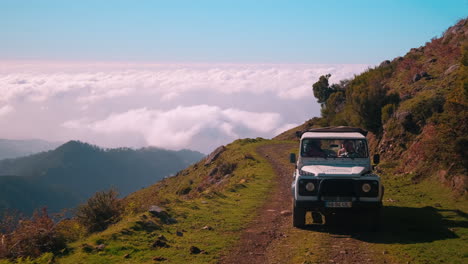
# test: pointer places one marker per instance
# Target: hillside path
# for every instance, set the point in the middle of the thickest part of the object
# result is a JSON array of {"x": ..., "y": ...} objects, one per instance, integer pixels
[{"x": 270, "y": 237}]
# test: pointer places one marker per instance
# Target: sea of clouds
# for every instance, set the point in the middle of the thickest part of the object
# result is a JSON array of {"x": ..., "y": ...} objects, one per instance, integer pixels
[{"x": 168, "y": 105}]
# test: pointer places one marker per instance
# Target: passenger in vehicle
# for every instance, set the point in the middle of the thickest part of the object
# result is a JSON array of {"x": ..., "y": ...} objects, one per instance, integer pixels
[
  {"x": 346, "y": 148},
  {"x": 342, "y": 150}
]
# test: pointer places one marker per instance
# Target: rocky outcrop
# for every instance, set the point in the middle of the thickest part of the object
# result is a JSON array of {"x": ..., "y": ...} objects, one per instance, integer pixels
[
  {"x": 195, "y": 250},
  {"x": 419, "y": 76},
  {"x": 384, "y": 63},
  {"x": 452, "y": 68},
  {"x": 161, "y": 242},
  {"x": 458, "y": 183},
  {"x": 416, "y": 77},
  {"x": 214, "y": 155},
  {"x": 457, "y": 29}
]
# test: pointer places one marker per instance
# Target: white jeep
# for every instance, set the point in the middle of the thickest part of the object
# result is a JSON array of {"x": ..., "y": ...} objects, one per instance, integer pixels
[{"x": 334, "y": 174}]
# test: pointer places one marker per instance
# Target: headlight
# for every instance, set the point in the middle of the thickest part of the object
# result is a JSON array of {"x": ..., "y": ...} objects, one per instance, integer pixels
[
  {"x": 366, "y": 187},
  {"x": 310, "y": 186}
]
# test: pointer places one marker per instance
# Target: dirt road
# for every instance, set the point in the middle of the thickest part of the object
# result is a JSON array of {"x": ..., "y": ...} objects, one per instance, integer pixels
[{"x": 270, "y": 238}]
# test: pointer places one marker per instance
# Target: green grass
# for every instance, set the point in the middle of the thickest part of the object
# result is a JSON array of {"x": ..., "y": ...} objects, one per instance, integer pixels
[
  {"x": 227, "y": 209},
  {"x": 46, "y": 258},
  {"x": 423, "y": 223}
]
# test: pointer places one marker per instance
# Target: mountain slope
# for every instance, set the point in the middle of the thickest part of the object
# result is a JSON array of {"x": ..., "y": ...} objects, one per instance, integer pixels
[
  {"x": 78, "y": 170},
  {"x": 26, "y": 196},
  {"x": 10, "y": 149},
  {"x": 416, "y": 107},
  {"x": 236, "y": 207},
  {"x": 207, "y": 205}
]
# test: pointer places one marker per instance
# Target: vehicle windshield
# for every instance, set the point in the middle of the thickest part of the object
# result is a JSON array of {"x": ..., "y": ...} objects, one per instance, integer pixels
[{"x": 334, "y": 148}]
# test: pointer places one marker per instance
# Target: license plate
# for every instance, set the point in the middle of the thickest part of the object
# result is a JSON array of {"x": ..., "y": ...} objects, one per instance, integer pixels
[{"x": 338, "y": 204}]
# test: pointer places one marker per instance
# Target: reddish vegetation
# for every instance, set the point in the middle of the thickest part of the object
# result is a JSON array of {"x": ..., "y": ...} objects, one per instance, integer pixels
[
  {"x": 418, "y": 152},
  {"x": 445, "y": 50},
  {"x": 32, "y": 238}
]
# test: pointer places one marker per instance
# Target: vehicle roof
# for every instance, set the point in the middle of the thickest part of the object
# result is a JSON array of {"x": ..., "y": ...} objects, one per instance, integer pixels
[
  {"x": 338, "y": 129},
  {"x": 335, "y": 130},
  {"x": 329, "y": 135}
]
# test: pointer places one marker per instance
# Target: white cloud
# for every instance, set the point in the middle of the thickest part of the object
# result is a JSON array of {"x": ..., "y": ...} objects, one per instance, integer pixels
[
  {"x": 5, "y": 110},
  {"x": 75, "y": 124},
  {"x": 170, "y": 81},
  {"x": 259, "y": 122},
  {"x": 166, "y": 105},
  {"x": 178, "y": 127}
]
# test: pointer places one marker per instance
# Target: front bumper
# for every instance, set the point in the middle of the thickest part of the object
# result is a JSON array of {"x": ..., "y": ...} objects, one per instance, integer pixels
[{"x": 320, "y": 206}]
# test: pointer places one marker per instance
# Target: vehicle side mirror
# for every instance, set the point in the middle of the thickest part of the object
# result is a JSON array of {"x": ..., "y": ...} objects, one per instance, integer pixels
[
  {"x": 292, "y": 158},
  {"x": 376, "y": 158}
]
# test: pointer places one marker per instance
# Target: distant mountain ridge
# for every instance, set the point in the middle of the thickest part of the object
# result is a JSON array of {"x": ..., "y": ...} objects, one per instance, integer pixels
[
  {"x": 76, "y": 170},
  {"x": 14, "y": 148}
]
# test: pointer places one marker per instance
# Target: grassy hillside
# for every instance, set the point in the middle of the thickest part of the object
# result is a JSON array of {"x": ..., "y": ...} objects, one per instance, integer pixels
[
  {"x": 415, "y": 106},
  {"x": 207, "y": 206},
  {"x": 76, "y": 170}
]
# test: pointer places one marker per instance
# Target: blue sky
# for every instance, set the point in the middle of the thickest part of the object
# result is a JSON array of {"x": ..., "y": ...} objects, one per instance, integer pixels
[{"x": 221, "y": 31}]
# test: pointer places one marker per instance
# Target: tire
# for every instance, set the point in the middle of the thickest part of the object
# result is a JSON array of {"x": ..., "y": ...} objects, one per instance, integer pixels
[{"x": 298, "y": 216}]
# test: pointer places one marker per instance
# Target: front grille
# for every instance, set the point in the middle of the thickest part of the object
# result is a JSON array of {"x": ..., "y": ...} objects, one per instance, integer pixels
[
  {"x": 330, "y": 189},
  {"x": 337, "y": 199},
  {"x": 341, "y": 187}
]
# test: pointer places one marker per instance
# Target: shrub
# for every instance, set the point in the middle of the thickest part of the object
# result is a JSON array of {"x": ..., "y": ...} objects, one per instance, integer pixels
[
  {"x": 32, "y": 238},
  {"x": 70, "y": 229},
  {"x": 183, "y": 190},
  {"x": 357, "y": 102},
  {"x": 132, "y": 207},
  {"x": 421, "y": 108},
  {"x": 227, "y": 168},
  {"x": 460, "y": 149},
  {"x": 9, "y": 220},
  {"x": 334, "y": 105},
  {"x": 425, "y": 108},
  {"x": 101, "y": 210},
  {"x": 322, "y": 89},
  {"x": 387, "y": 112}
]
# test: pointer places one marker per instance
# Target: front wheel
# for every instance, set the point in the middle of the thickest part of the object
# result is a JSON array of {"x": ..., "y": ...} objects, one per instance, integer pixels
[{"x": 298, "y": 216}]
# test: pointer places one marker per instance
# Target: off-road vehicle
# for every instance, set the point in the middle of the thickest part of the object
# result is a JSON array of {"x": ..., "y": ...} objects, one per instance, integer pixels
[{"x": 334, "y": 174}]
